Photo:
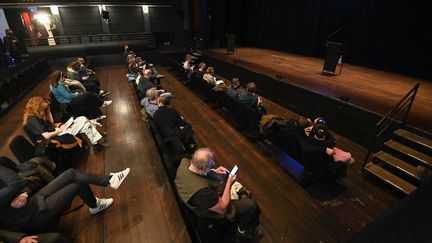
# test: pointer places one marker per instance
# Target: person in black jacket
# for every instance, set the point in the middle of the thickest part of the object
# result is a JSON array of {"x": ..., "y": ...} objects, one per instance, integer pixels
[
  {"x": 39, "y": 212},
  {"x": 171, "y": 123}
]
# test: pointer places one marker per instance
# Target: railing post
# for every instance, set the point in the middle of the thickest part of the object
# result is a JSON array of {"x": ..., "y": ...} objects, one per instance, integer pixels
[{"x": 410, "y": 104}]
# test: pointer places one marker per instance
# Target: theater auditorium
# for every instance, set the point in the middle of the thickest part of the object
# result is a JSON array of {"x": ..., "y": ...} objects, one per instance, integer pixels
[{"x": 215, "y": 121}]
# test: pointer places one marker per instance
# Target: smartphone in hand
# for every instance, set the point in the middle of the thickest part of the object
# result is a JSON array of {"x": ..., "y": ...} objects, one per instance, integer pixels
[{"x": 234, "y": 170}]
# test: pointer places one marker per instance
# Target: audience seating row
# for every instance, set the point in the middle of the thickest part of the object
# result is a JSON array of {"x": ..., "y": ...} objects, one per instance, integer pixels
[
  {"x": 172, "y": 152},
  {"x": 302, "y": 165},
  {"x": 245, "y": 116},
  {"x": 17, "y": 82}
]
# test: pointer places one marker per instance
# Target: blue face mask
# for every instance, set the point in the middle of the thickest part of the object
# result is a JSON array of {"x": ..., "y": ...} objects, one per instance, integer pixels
[{"x": 210, "y": 166}]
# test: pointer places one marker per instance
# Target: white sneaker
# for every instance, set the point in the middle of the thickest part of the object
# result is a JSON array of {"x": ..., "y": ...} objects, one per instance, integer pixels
[
  {"x": 101, "y": 118},
  {"x": 118, "y": 178},
  {"x": 107, "y": 103},
  {"x": 101, "y": 204}
]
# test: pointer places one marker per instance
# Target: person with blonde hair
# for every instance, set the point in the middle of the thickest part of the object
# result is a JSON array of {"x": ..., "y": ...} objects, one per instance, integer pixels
[{"x": 39, "y": 121}]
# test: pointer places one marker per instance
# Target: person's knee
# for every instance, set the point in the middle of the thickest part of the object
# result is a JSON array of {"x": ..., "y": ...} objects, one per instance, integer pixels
[
  {"x": 71, "y": 172},
  {"x": 249, "y": 205}
]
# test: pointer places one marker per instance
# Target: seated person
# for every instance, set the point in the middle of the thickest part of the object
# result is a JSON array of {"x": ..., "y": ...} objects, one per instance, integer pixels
[
  {"x": 150, "y": 101},
  {"x": 318, "y": 145},
  {"x": 234, "y": 89},
  {"x": 144, "y": 82},
  {"x": 21, "y": 237},
  {"x": 201, "y": 70},
  {"x": 84, "y": 70},
  {"x": 220, "y": 86},
  {"x": 208, "y": 76},
  {"x": 39, "y": 212},
  {"x": 39, "y": 121},
  {"x": 73, "y": 72},
  {"x": 188, "y": 67},
  {"x": 250, "y": 99},
  {"x": 84, "y": 104},
  {"x": 207, "y": 197},
  {"x": 170, "y": 123},
  {"x": 74, "y": 85}
]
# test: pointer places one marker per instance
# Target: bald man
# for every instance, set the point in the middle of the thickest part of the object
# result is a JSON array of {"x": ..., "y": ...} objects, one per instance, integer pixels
[
  {"x": 145, "y": 83},
  {"x": 202, "y": 194}
]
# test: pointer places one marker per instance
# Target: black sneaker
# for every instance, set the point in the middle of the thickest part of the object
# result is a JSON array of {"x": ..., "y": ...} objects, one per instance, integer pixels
[
  {"x": 99, "y": 147},
  {"x": 249, "y": 234}
]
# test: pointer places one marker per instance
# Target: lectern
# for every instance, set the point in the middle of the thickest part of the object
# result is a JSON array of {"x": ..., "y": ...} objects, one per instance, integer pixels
[
  {"x": 230, "y": 43},
  {"x": 333, "y": 54}
]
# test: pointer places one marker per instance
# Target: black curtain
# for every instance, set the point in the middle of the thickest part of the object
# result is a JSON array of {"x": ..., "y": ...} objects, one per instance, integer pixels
[{"x": 390, "y": 35}]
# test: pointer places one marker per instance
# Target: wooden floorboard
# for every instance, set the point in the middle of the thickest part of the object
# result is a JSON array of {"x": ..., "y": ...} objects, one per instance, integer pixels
[
  {"x": 371, "y": 89},
  {"x": 290, "y": 212},
  {"x": 144, "y": 208}
]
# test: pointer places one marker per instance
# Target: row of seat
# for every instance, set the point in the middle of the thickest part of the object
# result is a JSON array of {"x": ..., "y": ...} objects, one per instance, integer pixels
[
  {"x": 303, "y": 166},
  {"x": 172, "y": 151},
  {"x": 16, "y": 83},
  {"x": 244, "y": 115}
]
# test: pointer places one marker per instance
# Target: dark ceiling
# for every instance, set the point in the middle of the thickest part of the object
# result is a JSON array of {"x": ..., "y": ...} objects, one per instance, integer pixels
[{"x": 12, "y": 3}]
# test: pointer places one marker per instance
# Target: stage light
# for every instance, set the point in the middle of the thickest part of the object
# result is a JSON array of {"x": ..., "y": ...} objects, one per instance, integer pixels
[
  {"x": 54, "y": 10},
  {"x": 102, "y": 7},
  {"x": 42, "y": 18},
  {"x": 145, "y": 9}
]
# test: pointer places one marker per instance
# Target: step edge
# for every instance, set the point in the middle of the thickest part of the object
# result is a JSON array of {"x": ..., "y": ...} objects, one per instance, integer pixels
[{"x": 400, "y": 188}]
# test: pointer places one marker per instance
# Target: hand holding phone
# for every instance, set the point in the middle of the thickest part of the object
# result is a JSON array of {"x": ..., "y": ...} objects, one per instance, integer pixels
[{"x": 234, "y": 170}]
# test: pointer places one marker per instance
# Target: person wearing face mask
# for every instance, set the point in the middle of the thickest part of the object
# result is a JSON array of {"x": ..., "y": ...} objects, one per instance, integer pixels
[{"x": 209, "y": 198}]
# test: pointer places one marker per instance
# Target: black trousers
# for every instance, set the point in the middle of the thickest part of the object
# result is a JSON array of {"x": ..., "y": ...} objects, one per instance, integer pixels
[
  {"x": 56, "y": 197},
  {"x": 246, "y": 213},
  {"x": 86, "y": 104},
  {"x": 186, "y": 134},
  {"x": 91, "y": 87}
]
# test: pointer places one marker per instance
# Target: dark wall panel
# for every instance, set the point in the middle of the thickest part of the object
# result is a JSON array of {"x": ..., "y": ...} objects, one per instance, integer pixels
[
  {"x": 163, "y": 19},
  {"x": 126, "y": 19},
  {"x": 81, "y": 20}
]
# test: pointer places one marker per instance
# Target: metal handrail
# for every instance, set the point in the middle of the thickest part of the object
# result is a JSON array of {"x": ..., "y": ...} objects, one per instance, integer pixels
[
  {"x": 69, "y": 39},
  {"x": 402, "y": 107}
]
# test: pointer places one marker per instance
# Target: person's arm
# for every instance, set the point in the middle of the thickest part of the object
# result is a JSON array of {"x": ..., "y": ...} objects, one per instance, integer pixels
[
  {"x": 48, "y": 135},
  {"x": 70, "y": 82},
  {"x": 14, "y": 185},
  {"x": 65, "y": 92},
  {"x": 222, "y": 205}
]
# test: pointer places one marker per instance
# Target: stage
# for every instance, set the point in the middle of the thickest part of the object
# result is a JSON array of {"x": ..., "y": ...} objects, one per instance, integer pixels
[{"x": 373, "y": 90}]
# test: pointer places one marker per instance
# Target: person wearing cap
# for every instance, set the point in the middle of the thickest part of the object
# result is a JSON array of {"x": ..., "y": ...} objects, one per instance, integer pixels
[{"x": 171, "y": 123}]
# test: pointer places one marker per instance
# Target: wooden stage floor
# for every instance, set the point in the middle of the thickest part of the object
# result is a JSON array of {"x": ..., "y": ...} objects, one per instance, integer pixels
[
  {"x": 144, "y": 208},
  {"x": 371, "y": 89}
]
